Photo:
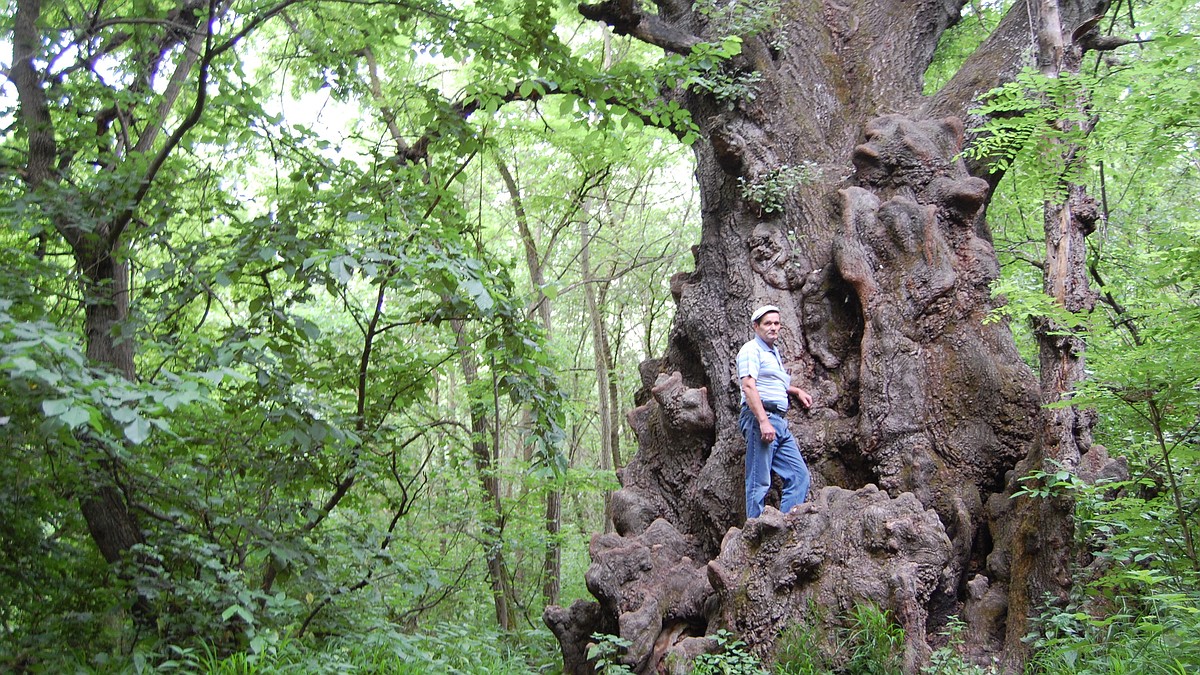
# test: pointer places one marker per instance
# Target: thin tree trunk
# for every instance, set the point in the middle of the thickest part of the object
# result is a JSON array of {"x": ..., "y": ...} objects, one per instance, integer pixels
[
  {"x": 614, "y": 406},
  {"x": 552, "y": 561},
  {"x": 609, "y": 451},
  {"x": 104, "y": 508},
  {"x": 105, "y": 289},
  {"x": 106, "y": 293},
  {"x": 486, "y": 469}
]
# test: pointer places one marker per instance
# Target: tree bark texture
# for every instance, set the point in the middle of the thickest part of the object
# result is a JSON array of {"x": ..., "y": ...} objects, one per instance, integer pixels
[{"x": 881, "y": 264}]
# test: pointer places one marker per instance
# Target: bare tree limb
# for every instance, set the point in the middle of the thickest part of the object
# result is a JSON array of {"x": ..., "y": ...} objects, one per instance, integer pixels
[
  {"x": 191, "y": 54},
  {"x": 193, "y": 117},
  {"x": 626, "y": 19},
  {"x": 388, "y": 114}
]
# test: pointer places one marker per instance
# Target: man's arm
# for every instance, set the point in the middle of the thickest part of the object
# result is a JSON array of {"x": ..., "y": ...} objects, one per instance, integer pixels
[
  {"x": 754, "y": 402},
  {"x": 801, "y": 395}
]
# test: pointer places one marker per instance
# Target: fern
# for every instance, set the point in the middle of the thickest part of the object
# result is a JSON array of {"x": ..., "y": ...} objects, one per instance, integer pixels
[{"x": 1034, "y": 119}]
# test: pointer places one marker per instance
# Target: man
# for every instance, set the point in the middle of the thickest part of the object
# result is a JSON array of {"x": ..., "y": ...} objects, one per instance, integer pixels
[{"x": 766, "y": 387}]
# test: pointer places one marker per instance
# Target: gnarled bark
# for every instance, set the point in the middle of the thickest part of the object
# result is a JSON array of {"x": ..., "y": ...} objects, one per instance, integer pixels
[{"x": 787, "y": 565}]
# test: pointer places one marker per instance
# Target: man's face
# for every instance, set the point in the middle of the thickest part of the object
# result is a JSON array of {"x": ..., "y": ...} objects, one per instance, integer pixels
[{"x": 767, "y": 327}]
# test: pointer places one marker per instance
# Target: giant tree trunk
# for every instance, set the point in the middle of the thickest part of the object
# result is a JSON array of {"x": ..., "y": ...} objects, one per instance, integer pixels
[{"x": 881, "y": 264}]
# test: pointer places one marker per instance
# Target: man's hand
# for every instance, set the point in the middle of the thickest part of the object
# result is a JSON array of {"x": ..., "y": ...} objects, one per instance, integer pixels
[
  {"x": 802, "y": 396},
  {"x": 754, "y": 402},
  {"x": 767, "y": 430}
]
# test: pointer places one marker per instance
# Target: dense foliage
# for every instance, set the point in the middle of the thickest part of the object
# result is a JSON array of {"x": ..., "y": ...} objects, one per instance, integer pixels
[
  {"x": 389, "y": 269},
  {"x": 344, "y": 410}
]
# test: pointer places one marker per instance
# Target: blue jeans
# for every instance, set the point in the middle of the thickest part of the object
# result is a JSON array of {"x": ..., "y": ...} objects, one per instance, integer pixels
[{"x": 781, "y": 456}]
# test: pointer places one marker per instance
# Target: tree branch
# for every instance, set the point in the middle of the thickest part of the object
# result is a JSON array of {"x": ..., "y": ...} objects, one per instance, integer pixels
[
  {"x": 389, "y": 115},
  {"x": 193, "y": 117},
  {"x": 183, "y": 69},
  {"x": 1002, "y": 56},
  {"x": 34, "y": 109},
  {"x": 253, "y": 24},
  {"x": 626, "y": 19},
  {"x": 1107, "y": 43}
]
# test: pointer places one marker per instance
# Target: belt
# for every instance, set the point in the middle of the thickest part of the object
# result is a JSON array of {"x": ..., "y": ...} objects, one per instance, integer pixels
[{"x": 772, "y": 408}]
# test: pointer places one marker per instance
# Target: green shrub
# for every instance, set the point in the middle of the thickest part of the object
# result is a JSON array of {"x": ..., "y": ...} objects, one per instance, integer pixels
[
  {"x": 1152, "y": 632},
  {"x": 865, "y": 641},
  {"x": 948, "y": 661},
  {"x": 732, "y": 658},
  {"x": 606, "y": 652}
]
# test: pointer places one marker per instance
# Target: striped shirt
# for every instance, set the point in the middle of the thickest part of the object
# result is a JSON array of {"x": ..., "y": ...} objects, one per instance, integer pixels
[{"x": 764, "y": 364}]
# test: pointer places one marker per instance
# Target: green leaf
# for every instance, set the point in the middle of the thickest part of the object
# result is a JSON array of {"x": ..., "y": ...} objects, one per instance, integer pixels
[
  {"x": 137, "y": 431},
  {"x": 124, "y": 415},
  {"x": 239, "y": 611},
  {"x": 22, "y": 365},
  {"x": 566, "y": 106},
  {"x": 76, "y": 416},
  {"x": 342, "y": 268},
  {"x": 56, "y": 407},
  {"x": 483, "y": 300}
]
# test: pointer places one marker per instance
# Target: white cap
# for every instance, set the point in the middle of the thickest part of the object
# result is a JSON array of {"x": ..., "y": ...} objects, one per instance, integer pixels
[{"x": 758, "y": 313}]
